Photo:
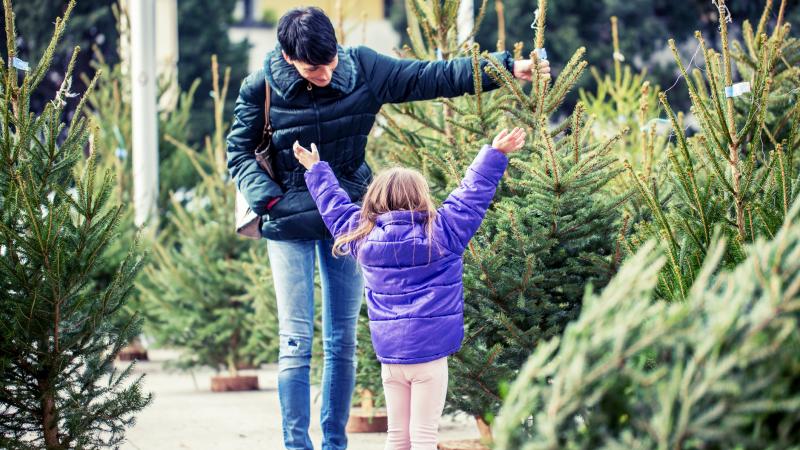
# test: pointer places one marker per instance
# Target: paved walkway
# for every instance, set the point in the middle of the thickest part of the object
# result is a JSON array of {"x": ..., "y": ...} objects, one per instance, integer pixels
[{"x": 185, "y": 414}]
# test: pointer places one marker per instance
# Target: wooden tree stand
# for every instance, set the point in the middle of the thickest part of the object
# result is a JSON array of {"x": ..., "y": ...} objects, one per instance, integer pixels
[
  {"x": 367, "y": 419},
  {"x": 134, "y": 351},
  {"x": 234, "y": 383},
  {"x": 466, "y": 444},
  {"x": 471, "y": 444}
]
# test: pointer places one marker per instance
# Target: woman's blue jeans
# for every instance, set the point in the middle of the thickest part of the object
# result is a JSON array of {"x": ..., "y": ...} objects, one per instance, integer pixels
[{"x": 293, "y": 264}]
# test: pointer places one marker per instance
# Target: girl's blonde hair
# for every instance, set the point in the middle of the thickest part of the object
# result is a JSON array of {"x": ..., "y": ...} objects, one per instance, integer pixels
[{"x": 396, "y": 189}]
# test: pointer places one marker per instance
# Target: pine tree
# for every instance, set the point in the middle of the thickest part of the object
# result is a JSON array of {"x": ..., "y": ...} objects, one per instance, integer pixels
[
  {"x": 739, "y": 173},
  {"x": 369, "y": 385},
  {"x": 624, "y": 99},
  {"x": 553, "y": 227},
  {"x": 782, "y": 107},
  {"x": 91, "y": 25},
  {"x": 196, "y": 291},
  {"x": 261, "y": 289},
  {"x": 110, "y": 113},
  {"x": 58, "y": 330},
  {"x": 110, "y": 105},
  {"x": 718, "y": 370},
  {"x": 203, "y": 30}
]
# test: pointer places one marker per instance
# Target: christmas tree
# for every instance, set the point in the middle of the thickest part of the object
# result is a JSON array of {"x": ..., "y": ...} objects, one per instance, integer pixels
[
  {"x": 369, "y": 385},
  {"x": 718, "y": 370},
  {"x": 196, "y": 291},
  {"x": 59, "y": 334},
  {"x": 624, "y": 99},
  {"x": 110, "y": 112},
  {"x": 262, "y": 291},
  {"x": 739, "y": 173},
  {"x": 554, "y": 224}
]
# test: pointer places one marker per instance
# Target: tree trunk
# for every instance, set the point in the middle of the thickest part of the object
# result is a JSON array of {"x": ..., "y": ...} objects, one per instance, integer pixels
[
  {"x": 233, "y": 370},
  {"x": 49, "y": 418},
  {"x": 367, "y": 403},
  {"x": 484, "y": 429},
  {"x": 501, "y": 25}
]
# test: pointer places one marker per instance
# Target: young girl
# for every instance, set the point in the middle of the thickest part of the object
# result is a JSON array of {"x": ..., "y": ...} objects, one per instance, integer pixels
[{"x": 411, "y": 256}]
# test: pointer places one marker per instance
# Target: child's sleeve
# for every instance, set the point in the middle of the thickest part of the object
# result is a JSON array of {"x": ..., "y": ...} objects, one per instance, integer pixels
[
  {"x": 462, "y": 212},
  {"x": 339, "y": 213}
]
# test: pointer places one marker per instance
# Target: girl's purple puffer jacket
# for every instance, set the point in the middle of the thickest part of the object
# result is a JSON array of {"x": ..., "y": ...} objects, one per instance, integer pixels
[{"x": 414, "y": 286}]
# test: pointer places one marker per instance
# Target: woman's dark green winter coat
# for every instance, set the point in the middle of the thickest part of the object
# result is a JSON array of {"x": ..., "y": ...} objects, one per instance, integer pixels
[{"x": 338, "y": 118}]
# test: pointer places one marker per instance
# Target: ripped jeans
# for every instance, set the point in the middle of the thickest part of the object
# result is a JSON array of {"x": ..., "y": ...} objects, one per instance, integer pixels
[{"x": 293, "y": 265}]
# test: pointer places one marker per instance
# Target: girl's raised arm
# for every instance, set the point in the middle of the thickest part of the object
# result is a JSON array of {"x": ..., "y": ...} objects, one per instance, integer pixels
[
  {"x": 462, "y": 212},
  {"x": 338, "y": 212}
]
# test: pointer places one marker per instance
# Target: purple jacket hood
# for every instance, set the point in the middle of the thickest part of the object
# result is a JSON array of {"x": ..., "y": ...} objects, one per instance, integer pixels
[{"x": 414, "y": 288}]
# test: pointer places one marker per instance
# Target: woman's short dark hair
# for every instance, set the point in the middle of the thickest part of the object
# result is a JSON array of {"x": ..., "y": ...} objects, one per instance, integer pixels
[{"x": 306, "y": 34}]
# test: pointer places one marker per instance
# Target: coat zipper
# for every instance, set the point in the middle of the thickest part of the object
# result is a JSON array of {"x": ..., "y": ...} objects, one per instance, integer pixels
[{"x": 316, "y": 112}]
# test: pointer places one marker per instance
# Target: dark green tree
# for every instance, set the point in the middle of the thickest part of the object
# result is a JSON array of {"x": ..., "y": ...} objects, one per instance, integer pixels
[
  {"x": 59, "y": 334},
  {"x": 645, "y": 25},
  {"x": 196, "y": 292},
  {"x": 718, "y": 370},
  {"x": 739, "y": 173},
  {"x": 92, "y": 24},
  {"x": 200, "y": 38},
  {"x": 369, "y": 385}
]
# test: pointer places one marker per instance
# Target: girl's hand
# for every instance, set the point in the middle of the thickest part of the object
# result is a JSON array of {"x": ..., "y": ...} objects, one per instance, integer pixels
[
  {"x": 305, "y": 157},
  {"x": 509, "y": 142}
]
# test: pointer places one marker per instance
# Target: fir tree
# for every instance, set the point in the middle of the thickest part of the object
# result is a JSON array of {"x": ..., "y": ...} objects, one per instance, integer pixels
[
  {"x": 196, "y": 291},
  {"x": 262, "y": 292},
  {"x": 553, "y": 227},
  {"x": 110, "y": 113},
  {"x": 624, "y": 99},
  {"x": 782, "y": 107},
  {"x": 203, "y": 30},
  {"x": 91, "y": 25},
  {"x": 369, "y": 385},
  {"x": 58, "y": 330},
  {"x": 735, "y": 174},
  {"x": 716, "y": 371}
]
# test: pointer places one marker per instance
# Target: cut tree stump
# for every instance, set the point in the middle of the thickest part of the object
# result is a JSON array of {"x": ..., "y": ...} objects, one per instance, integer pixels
[
  {"x": 233, "y": 384},
  {"x": 485, "y": 431},
  {"x": 361, "y": 421},
  {"x": 133, "y": 352},
  {"x": 367, "y": 419},
  {"x": 465, "y": 444}
]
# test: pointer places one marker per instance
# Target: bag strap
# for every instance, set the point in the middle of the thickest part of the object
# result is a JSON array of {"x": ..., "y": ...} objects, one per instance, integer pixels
[{"x": 267, "y": 134}]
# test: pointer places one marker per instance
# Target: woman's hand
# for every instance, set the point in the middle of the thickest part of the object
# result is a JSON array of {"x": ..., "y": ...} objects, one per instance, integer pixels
[
  {"x": 305, "y": 157},
  {"x": 509, "y": 142},
  {"x": 523, "y": 69}
]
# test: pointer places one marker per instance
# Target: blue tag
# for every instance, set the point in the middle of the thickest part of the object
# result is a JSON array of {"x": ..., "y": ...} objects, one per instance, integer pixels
[
  {"x": 20, "y": 64},
  {"x": 656, "y": 122},
  {"x": 541, "y": 53},
  {"x": 121, "y": 153},
  {"x": 439, "y": 54},
  {"x": 737, "y": 89}
]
